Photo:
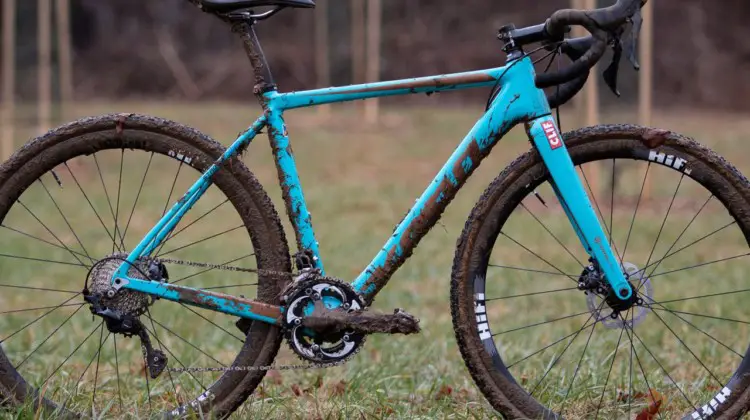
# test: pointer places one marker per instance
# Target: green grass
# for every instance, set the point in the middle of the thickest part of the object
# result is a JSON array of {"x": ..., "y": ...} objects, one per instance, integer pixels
[{"x": 359, "y": 181}]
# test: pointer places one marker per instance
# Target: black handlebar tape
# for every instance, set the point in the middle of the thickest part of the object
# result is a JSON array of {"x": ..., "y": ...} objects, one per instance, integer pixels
[
  {"x": 567, "y": 91},
  {"x": 562, "y": 19},
  {"x": 574, "y": 49}
]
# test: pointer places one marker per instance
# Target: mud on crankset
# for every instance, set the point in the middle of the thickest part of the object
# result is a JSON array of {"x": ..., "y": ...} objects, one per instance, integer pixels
[{"x": 325, "y": 320}]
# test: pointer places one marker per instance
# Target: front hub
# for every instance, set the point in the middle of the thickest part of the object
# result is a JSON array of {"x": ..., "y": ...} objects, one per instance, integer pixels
[{"x": 609, "y": 309}]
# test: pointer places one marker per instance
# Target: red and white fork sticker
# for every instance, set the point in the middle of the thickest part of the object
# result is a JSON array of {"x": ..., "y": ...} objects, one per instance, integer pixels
[{"x": 551, "y": 132}]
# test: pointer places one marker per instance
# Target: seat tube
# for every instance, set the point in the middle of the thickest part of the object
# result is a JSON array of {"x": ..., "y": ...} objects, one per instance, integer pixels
[
  {"x": 544, "y": 134},
  {"x": 291, "y": 187}
]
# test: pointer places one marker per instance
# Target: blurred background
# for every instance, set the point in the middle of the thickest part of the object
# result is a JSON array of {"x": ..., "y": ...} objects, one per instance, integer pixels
[
  {"x": 362, "y": 164},
  {"x": 168, "y": 50}
]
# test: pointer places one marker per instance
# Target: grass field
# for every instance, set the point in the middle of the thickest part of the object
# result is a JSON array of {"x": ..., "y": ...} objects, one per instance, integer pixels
[{"x": 359, "y": 181}]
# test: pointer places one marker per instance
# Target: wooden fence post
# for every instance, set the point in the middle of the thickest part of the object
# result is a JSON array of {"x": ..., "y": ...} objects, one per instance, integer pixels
[
  {"x": 9, "y": 77},
  {"x": 322, "y": 58},
  {"x": 645, "y": 85},
  {"x": 44, "y": 69},
  {"x": 65, "y": 57},
  {"x": 374, "y": 15}
]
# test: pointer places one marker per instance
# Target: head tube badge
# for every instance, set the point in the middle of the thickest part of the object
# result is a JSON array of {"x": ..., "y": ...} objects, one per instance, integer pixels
[{"x": 553, "y": 138}]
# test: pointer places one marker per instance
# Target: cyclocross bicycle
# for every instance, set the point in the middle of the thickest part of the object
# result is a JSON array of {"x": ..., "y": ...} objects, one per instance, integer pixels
[{"x": 115, "y": 303}]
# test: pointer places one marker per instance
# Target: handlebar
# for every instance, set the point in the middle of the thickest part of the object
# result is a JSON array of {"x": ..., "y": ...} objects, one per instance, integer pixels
[{"x": 585, "y": 52}]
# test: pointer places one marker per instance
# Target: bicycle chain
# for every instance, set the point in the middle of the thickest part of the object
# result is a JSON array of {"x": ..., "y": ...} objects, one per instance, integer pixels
[{"x": 246, "y": 368}]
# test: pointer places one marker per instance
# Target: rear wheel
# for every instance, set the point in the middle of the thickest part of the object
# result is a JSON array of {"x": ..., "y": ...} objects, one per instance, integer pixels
[
  {"x": 91, "y": 190},
  {"x": 529, "y": 309}
]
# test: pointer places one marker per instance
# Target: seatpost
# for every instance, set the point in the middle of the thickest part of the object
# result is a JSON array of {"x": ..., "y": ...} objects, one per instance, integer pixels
[{"x": 263, "y": 78}]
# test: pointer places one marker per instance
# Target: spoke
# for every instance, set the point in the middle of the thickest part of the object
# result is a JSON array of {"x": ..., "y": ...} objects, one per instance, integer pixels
[
  {"x": 640, "y": 366},
  {"x": 532, "y": 294},
  {"x": 89, "y": 201},
  {"x": 567, "y": 346},
  {"x": 40, "y": 317},
  {"x": 196, "y": 220},
  {"x": 15, "y": 311},
  {"x": 42, "y": 240},
  {"x": 607, "y": 229},
  {"x": 663, "y": 370},
  {"x": 661, "y": 303},
  {"x": 53, "y": 235},
  {"x": 166, "y": 204},
  {"x": 540, "y": 323},
  {"x": 10, "y": 286},
  {"x": 109, "y": 202},
  {"x": 675, "y": 313},
  {"x": 635, "y": 213},
  {"x": 49, "y": 336},
  {"x": 661, "y": 229},
  {"x": 701, "y": 264},
  {"x": 211, "y": 322},
  {"x": 689, "y": 350},
  {"x": 91, "y": 362},
  {"x": 611, "y": 365},
  {"x": 578, "y": 367},
  {"x": 574, "y": 278},
  {"x": 138, "y": 195},
  {"x": 657, "y": 263},
  {"x": 199, "y": 241},
  {"x": 79, "y": 264},
  {"x": 117, "y": 371},
  {"x": 171, "y": 190},
  {"x": 718, "y": 318},
  {"x": 187, "y": 342},
  {"x": 553, "y": 235},
  {"x": 59, "y": 210},
  {"x": 96, "y": 372},
  {"x": 158, "y": 342},
  {"x": 643, "y": 270},
  {"x": 117, "y": 206},
  {"x": 148, "y": 383},
  {"x": 211, "y": 268},
  {"x": 530, "y": 270},
  {"x": 586, "y": 326},
  {"x": 74, "y": 351}
]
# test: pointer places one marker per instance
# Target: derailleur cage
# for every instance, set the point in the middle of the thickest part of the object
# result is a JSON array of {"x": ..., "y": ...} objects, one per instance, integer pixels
[{"x": 129, "y": 325}]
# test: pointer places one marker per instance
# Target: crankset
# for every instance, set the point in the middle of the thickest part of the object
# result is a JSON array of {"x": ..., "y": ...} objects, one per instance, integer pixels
[{"x": 325, "y": 320}]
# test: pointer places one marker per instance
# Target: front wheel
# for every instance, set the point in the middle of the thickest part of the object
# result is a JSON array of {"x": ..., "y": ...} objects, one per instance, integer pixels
[{"x": 529, "y": 308}]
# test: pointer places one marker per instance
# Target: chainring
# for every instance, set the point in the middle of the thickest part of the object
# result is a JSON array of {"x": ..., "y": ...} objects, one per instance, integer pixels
[{"x": 319, "y": 295}]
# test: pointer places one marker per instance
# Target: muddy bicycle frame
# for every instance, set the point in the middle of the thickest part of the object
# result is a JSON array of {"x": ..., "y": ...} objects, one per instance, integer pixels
[{"x": 518, "y": 101}]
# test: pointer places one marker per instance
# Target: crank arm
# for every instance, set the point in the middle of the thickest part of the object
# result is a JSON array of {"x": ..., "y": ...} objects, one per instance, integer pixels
[{"x": 363, "y": 322}]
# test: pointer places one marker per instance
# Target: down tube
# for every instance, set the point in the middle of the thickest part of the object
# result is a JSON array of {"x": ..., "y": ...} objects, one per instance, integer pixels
[{"x": 509, "y": 109}]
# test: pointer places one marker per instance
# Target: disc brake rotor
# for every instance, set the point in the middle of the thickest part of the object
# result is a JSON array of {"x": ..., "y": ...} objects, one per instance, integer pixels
[{"x": 636, "y": 314}]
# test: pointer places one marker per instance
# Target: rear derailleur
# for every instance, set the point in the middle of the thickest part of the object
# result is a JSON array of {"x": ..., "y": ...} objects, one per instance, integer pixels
[{"x": 129, "y": 325}]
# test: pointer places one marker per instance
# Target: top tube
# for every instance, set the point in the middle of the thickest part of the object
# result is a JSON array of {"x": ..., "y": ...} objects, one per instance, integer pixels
[{"x": 428, "y": 84}]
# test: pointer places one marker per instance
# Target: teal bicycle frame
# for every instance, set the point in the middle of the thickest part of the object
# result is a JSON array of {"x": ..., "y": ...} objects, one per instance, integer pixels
[{"x": 518, "y": 101}]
